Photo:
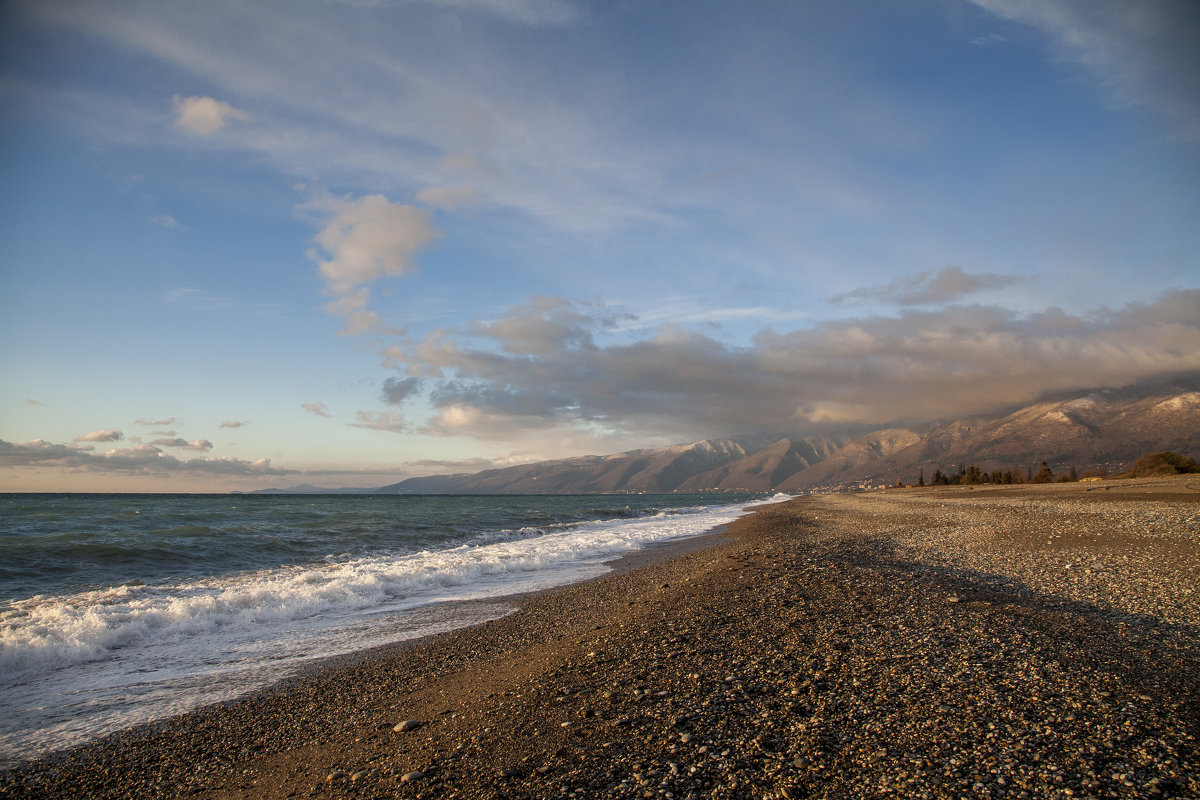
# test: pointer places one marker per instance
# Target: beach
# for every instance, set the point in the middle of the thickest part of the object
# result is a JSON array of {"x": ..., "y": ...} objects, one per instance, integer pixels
[{"x": 955, "y": 642}]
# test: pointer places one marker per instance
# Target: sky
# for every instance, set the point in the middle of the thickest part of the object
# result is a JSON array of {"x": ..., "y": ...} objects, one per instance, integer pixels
[{"x": 342, "y": 242}]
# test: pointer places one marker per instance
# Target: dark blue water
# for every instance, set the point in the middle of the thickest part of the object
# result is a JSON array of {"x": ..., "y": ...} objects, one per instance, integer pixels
[
  {"x": 120, "y": 609},
  {"x": 56, "y": 544}
]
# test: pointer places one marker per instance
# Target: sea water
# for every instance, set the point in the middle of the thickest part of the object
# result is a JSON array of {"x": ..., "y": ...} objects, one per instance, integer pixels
[{"x": 122, "y": 609}]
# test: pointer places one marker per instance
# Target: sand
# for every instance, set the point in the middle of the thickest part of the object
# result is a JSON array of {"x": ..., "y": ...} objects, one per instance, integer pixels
[{"x": 1020, "y": 642}]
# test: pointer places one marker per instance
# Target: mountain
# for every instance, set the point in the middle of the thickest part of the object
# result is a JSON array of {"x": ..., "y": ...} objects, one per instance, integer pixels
[
  {"x": 308, "y": 488},
  {"x": 765, "y": 469},
  {"x": 1106, "y": 428},
  {"x": 653, "y": 471}
]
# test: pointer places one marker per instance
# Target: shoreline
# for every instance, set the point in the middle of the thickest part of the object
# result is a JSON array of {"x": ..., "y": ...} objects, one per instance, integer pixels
[{"x": 912, "y": 643}]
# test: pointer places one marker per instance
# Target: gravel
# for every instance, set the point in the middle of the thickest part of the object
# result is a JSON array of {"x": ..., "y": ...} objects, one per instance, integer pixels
[{"x": 1024, "y": 642}]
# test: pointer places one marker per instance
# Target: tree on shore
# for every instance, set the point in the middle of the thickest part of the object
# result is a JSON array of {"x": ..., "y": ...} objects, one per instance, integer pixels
[
  {"x": 1044, "y": 475},
  {"x": 1164, "y": 463}
]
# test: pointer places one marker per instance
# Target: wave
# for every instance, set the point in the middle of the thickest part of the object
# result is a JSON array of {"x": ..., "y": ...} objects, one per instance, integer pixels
[{"x": 53, "y": 632}]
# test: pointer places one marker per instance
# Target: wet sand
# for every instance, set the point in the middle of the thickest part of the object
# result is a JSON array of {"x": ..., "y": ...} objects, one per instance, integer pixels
[{"x": 1018, "y": 642}]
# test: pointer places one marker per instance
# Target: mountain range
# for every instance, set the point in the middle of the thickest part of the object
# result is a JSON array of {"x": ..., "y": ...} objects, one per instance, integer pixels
[{"x": 1100, "y": 429}]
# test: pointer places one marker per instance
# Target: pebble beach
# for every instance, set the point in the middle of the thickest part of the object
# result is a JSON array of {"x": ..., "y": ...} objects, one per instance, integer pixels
[{"x": 989, "y": 642}]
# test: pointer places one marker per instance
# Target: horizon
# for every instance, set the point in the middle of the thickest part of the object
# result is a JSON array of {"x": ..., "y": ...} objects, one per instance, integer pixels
[{"x": 249, "y": 244}]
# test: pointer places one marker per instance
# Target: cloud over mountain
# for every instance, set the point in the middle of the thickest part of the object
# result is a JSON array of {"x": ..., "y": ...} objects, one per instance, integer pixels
[{"x": 543, "y": 365}]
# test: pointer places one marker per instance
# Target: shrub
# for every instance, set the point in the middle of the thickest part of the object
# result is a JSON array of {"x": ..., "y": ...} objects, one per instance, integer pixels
[{"x": 1164, "y": 463}]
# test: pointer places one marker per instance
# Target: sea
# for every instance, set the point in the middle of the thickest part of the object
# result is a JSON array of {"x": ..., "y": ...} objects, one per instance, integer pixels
[{"x": 123, "y": 609}]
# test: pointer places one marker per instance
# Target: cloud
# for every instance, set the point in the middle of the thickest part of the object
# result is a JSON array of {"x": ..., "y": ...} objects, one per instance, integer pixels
[
  {"x": 29, "y": 401},
  {"x": 448, "y": 198},
  {"x": 108, "y": 435},
  {"x": 233, "y": 423},
  {"x": 536, "y": 13},
  {"x": 928, "y": 288},
  {"x": 990, "y": 39},
  {"x": 383, "y": 421},
  {"x": 397, "y": 390},
  {"x": 200, "y": 445},
  {"x": 157, "y": 422},
  {"x": 365, "y": 240},
  {"x": 466, "y": 464},
  {"x": 166, "y": 220},
  {"x": 375, "y": 110},
  {"x": 542, "y": 369},
  {"x": 370, "y": 238},
  {"x": 204, "y": 116},
  {"x": 145, "y": 460},
  {"x": 315, "y": 408},
  {"x": 1144, "y": 53},
  {"x": 353, "y": 308}
]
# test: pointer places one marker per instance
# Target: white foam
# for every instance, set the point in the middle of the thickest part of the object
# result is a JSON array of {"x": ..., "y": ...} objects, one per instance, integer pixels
[{"x": 143, "y": 636}]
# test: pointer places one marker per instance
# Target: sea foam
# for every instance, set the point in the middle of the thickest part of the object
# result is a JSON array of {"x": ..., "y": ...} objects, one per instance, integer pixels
[{"x": 162, "y": 644}]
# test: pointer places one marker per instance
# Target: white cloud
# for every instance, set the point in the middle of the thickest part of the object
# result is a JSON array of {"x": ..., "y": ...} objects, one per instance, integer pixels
[
  {"x": 365, "y": 240},
  {"x": 368, "y": 114},
  {"x": 383, "y": 421},
  {"x": 371, "y": 238},
  {"x": 199, "y": 445},
  {"x": 204, "y": 116},
  {"x": 144, "y": 460},
  {"x": 315, "y": 408},
  {"x": 165, "y": 220},
  {"x": 1143, "y": 52},
  {"x": 157, "y": 422},
  {"x": 108, "y": 435},
  {"x": 353, "y": 308},
  {"x": 233, "y": 423}
]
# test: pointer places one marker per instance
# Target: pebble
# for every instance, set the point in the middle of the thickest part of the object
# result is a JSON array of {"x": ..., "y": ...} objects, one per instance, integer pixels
[
  {"x": 848, "y": 675},
  {"x": 407, "y": 725}
]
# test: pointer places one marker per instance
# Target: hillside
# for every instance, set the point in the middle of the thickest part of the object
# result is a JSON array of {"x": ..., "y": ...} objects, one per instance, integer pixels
[
  {"x": 652, "y": 471},
  {"x": 1107, "y": 428},
  {"x": 1103, "y": 429}
]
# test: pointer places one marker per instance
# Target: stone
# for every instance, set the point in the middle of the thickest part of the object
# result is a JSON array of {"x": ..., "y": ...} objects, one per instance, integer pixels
[{"x": 407, "y": 725}]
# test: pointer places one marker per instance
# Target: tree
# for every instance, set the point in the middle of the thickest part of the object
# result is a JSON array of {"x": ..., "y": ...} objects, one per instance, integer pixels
[
  {"x": 1164, "y": 463},
  {"x": 1044, "y": 475},
  {"x": 921, "y": 477}
]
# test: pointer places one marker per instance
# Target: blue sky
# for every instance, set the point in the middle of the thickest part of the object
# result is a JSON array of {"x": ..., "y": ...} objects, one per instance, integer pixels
[{"x": 247, "y": 244}]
